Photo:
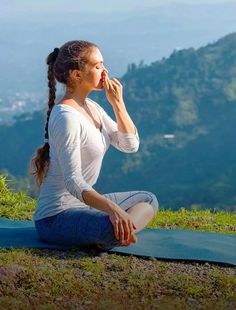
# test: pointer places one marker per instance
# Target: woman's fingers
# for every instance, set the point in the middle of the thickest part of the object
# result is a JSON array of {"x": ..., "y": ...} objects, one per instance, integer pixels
[
  {"x": 106, "y": 85},
  {"x": 123, "y": 226},
  {"x": 110, "y": 84},
  {"x": 105, "y": 70},
  {"x": 117, "y": 230},
  {"x": 131, "y": 228},
  {"x": 127, "y": 231},
  {"x": 117, "y": 82},
  {"x": 106, "y": 82},
  {"x": 124, "y": 230},
  {"x": 121, "y": 231}
]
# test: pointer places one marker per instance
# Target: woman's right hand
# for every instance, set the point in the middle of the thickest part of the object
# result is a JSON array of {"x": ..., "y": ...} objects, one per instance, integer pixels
[{"x": 123, "y": 226}]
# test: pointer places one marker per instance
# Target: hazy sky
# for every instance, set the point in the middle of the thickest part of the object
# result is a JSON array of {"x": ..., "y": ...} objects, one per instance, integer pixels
[
  {"x": 19, "y": 8},
  {"x": 125, "y": 30}
]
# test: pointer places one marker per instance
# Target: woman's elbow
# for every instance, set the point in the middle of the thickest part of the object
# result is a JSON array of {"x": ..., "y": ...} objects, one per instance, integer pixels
[{"x": 132, "y": 148}]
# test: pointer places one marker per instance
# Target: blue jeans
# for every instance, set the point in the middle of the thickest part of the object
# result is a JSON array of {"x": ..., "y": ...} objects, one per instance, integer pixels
[{"x": 85, "y": 226}]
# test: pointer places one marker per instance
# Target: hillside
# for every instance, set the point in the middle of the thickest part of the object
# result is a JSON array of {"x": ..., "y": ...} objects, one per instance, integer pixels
[{"x": 191, "y": 95}]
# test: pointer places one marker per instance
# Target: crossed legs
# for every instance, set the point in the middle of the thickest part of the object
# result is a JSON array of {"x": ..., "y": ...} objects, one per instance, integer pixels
[{"x": 142, "y": 207}]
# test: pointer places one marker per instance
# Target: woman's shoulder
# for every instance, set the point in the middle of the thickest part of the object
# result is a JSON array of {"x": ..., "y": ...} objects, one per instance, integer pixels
[
  {"x": 60, "y": 108},
  {"x": 63, "y": 114},
  {"x": 65, "y": 110}
]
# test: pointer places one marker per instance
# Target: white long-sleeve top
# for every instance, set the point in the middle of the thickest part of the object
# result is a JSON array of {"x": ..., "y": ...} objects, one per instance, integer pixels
[{"x": 76, "y": 152}]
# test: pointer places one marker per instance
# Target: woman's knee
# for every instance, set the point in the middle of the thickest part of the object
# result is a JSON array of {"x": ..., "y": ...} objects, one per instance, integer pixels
[{"x": 152, "y": 200}]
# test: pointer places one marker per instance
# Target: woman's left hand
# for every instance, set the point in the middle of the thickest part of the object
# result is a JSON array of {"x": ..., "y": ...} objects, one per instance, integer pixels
[{"x": 114, "y": 90}]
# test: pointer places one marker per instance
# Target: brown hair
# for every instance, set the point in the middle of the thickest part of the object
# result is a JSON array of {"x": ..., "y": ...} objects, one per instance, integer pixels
[{"x": 72, "y": 55}]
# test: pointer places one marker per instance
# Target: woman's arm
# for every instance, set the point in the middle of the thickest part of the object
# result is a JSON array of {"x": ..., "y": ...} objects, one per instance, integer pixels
[
  {"x": 126, "y": 142},
  {"x": 65, "y": 135},
  {"x": 123, "y": 134},
  {"x": 124, "y": 122},
  {"x": 98, "y": 201}
]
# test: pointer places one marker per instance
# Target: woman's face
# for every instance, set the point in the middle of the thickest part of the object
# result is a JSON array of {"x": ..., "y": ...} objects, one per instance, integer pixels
[{"x": 91, "y": 78}]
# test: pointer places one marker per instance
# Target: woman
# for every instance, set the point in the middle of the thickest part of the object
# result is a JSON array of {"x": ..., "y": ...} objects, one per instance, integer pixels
[{"x": 78, "y": 132}]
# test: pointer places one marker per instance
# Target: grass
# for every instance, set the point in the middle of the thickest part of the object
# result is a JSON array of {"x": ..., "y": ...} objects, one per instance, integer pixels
[{"x": 74, "y": 279}]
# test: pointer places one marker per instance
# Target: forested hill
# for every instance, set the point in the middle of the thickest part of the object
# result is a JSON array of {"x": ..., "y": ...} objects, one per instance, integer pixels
[{"x": 190, "y": 95}]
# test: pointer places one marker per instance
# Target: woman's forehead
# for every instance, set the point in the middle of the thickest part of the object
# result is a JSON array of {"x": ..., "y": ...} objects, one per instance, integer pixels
[{"x": 95, "y": 57}]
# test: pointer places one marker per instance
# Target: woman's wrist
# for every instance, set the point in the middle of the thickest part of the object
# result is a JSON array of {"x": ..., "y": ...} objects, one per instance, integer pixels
[
  {"x": 112, "y": 207},
  {"x": 119, "y": 106},
  {"x": 98, "y": 201}
]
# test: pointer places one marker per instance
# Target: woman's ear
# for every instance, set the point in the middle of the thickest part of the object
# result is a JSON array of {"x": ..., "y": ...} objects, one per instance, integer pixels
[{"x": 75, "y": 75}]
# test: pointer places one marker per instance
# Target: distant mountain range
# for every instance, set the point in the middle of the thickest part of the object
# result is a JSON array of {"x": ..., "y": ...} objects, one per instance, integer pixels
[{"x": 185, "y": 110}]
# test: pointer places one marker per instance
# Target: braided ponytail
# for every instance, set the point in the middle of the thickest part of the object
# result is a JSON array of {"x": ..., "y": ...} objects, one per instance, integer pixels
[
  {"x": 52, "y": 87},
  {"x": 40, "y": 162}
]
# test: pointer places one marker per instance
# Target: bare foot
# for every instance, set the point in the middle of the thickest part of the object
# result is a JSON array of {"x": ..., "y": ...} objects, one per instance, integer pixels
[{"x": 132, "y": 239}]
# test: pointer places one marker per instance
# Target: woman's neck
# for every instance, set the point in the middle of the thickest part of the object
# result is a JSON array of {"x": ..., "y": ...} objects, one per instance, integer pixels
[{"x": 78, "y": 96}]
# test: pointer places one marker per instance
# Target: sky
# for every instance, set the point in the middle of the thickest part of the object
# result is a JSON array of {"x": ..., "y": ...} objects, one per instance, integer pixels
[
  {"x": 126, "y": 31},
  {"x": 20, "y": 9}
]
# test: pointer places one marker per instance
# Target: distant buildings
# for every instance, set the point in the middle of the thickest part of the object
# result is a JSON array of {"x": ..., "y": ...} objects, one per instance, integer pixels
[{"x": 169, "y": 136}]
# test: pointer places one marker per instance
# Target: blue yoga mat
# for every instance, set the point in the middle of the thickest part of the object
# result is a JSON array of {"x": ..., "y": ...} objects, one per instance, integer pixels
[{"x": 160, "y": 243}]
